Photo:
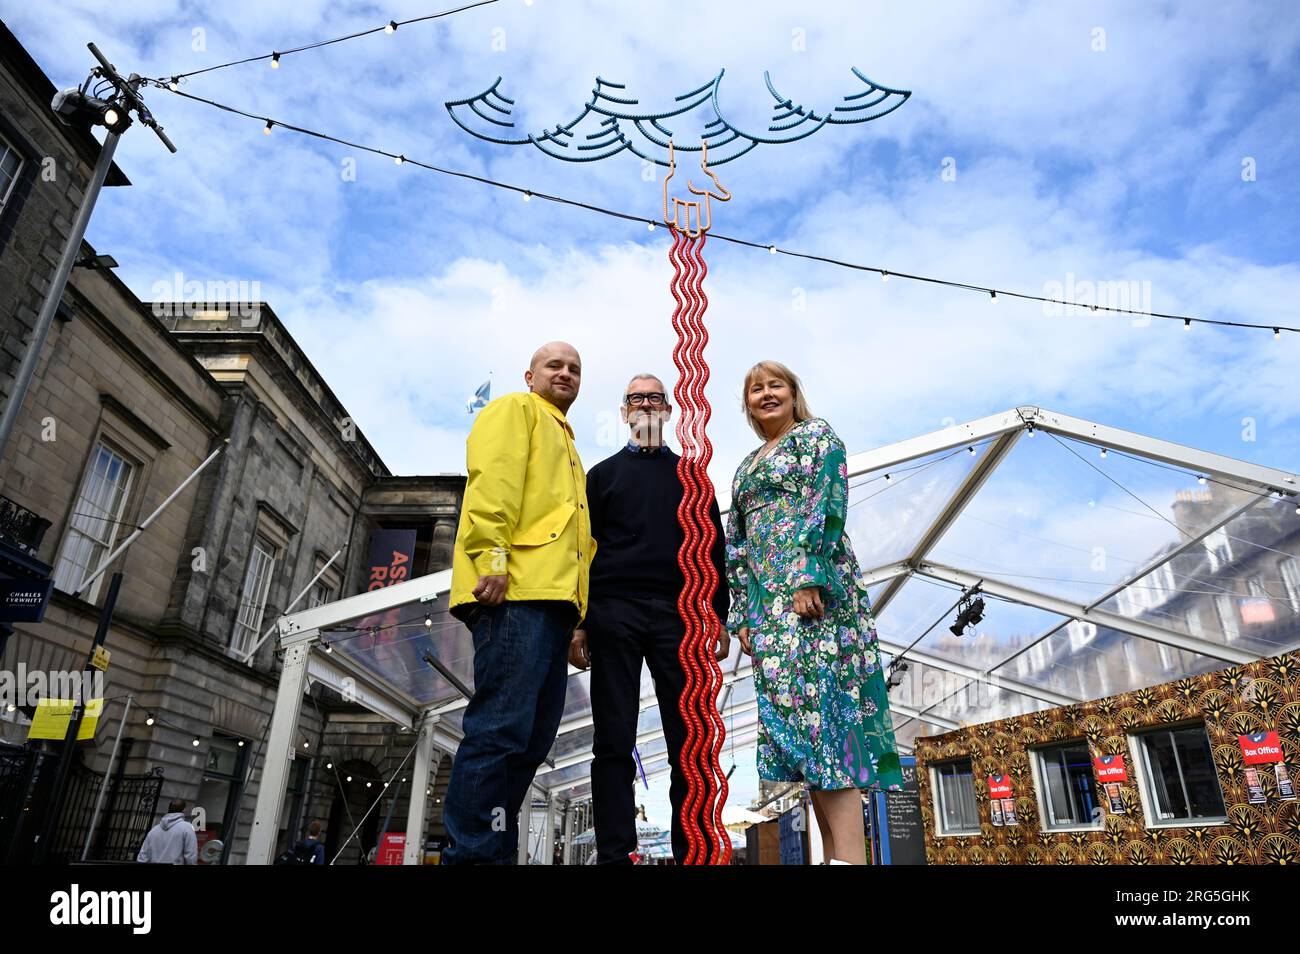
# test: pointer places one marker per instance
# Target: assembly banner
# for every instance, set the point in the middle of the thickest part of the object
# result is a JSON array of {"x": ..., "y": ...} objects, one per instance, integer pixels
[
  {"x": 1000, "y": 786},
  {"x": 391, "y": 554},
  {"x": 1260, "y": 748},
  {"x": 1110, "y": 768}
]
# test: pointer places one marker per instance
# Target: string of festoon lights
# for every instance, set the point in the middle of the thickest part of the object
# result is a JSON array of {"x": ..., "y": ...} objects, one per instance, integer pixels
[
  {"x": 274, "y": 56},
  {"x": 993, "y": 294},
  {"x": 152, "y": 718}
]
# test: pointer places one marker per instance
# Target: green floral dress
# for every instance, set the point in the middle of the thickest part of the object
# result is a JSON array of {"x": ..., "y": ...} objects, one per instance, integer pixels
[{"x": 822, "y": 705}]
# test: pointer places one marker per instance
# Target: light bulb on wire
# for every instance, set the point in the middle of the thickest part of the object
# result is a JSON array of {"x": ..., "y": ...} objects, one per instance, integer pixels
[
  {"x": 392, "y": 27},
  {"x": 275, "y": 61}
]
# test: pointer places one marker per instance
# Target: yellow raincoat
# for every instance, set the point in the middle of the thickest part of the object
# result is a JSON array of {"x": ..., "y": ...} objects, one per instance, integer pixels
[{"x": 525, "y": 509}]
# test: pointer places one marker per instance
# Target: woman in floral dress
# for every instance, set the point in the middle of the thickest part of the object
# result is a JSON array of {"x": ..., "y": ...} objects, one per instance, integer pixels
[{"x": 799, "y": 607}]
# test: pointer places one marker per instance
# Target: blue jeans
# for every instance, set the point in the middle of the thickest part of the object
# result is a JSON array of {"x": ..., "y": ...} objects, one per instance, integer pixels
[{"x": 520, "y": 674}]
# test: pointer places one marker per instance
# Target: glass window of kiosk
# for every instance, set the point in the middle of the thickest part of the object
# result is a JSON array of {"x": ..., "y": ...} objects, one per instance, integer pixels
[
  {"x": 1069, "y": 795},
  {"x": 954, "y": 791},
  {"x": 1179, "y": 783}
]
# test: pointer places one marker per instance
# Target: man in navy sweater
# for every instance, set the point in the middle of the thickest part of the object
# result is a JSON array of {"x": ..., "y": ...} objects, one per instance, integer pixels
[{"x": 632, "y": 615}]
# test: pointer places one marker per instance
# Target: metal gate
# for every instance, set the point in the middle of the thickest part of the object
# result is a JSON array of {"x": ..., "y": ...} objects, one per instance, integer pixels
[
  {"x": 128, "y": 812},
  {"x": 26, "y": 783}
]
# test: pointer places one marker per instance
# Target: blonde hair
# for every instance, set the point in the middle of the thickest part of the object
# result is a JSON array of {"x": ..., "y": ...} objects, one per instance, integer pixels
[{"x": 777, "y": 370}]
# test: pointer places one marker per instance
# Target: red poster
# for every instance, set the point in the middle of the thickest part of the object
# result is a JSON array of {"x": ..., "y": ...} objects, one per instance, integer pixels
[
  {"x": 1110, "y": 768},
  {"x": 1000, "y": 786},
  {"x": 391, "y": 848},
  {"x": 1260, "y": 748}
]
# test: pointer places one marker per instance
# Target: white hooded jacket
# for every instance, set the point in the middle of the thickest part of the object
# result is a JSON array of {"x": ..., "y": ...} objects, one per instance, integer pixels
[{"x": 170, "y": 842}]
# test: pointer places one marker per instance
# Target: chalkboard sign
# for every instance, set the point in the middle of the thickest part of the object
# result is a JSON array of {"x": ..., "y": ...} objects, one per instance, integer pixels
[{"x": 899, "y": 834}]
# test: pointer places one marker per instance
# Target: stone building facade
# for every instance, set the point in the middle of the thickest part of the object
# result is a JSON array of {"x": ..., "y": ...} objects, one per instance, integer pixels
[{"x": 128, "y": 401}]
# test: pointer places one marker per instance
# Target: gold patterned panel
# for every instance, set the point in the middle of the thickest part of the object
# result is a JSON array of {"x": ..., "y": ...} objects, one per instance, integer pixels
[
  {"x": 1226, "y": 850},
  {"x": 1279, "y": 849},
  {"x": 1239, "y": 699}
]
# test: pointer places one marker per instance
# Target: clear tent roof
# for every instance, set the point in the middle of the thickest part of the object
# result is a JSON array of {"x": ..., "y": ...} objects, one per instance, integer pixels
[{"x": 1101, "y": 573}]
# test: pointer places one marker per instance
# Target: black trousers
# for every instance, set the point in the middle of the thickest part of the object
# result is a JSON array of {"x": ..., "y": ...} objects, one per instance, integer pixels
[{"x": 621, "y": 634}]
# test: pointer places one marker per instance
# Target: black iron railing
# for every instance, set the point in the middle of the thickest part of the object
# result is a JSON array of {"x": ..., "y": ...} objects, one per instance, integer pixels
[{"x": 20, "y": 527}]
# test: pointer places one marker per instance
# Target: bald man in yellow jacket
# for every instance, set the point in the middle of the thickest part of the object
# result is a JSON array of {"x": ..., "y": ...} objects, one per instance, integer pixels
[{"x": 519, "y": 582}]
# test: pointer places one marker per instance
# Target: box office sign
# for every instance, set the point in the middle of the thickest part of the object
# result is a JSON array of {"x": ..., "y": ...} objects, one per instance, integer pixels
[
  {"x": 1110, "y": 768},
  {"x": 24, "y": 601},
  {"x": 1265, "y": 748},
  {"x": 1002, "y": 802},
  {"x": 1260, "y": 748}
]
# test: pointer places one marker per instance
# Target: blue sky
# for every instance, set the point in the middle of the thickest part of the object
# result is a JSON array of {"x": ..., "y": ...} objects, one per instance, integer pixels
[
  {"x": 1114, "y": 164},
  {"x": 1103, "y": 141}
]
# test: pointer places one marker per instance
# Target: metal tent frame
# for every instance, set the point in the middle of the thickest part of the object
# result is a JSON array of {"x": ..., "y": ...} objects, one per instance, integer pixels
[{"x": 308, "y": 637}]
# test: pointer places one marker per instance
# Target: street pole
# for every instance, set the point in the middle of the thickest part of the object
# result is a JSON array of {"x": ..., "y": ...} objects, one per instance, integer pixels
[
  {"x": 74, "y": 725},
  {"x": 126, "y": 89},
  {"x": 108, "y": 772},
  {"x": 54, "y": 294}
]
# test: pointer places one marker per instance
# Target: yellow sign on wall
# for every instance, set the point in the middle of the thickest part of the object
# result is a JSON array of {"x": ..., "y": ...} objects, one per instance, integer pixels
[{"x": 52, "y": 717}]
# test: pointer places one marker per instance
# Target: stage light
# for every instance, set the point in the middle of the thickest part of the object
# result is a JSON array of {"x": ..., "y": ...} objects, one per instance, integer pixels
[
  {"x": 972, "y": 611},
  {"x": 72, "y": 107}
]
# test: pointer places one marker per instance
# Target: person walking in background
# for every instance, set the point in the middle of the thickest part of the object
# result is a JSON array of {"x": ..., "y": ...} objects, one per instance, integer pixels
[
  {"x": 172, "y": 841},
  {"x": 519, "y": 582},
  {"x": 800, "y": 608},
  {"x": 633, "y": 616}
]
